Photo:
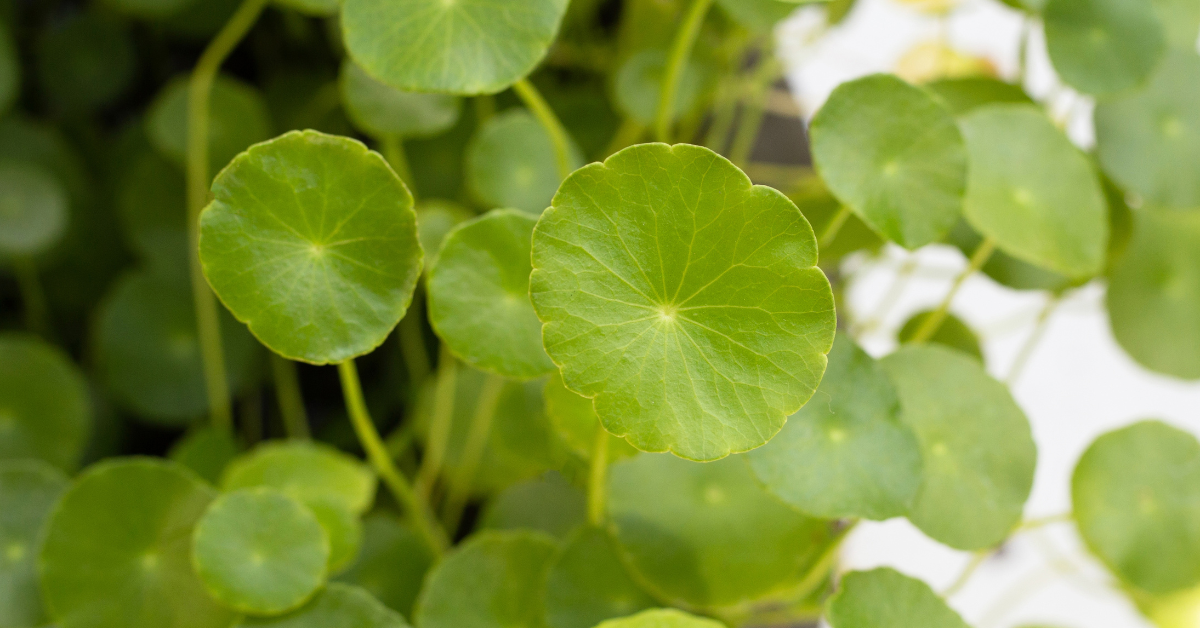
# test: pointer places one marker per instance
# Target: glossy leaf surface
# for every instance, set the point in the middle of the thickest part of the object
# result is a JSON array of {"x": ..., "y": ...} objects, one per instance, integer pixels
[
  {"x": 381, "y": 110},
  {"x": 885, "y": 598},
  {"x": 29, "y": 489},
  {"x": 587, "y": 583},
  {"x": 1103, "y": 46},
  {"x": 45, "y": 411},
  {"x": 511, "y": 163}
]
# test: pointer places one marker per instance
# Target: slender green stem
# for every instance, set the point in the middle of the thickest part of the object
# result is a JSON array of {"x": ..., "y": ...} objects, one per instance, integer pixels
[
  {"x": 472, "y": 452},
  {"x": 890, "y": 298},
  {"x": 629, "y": 133},
  {"x": 199, "y": 90},
  {"x": 289, "y": 398},
  {"x": 33, "y": 297},
  {"x": 1041, "y": 522},
  {"x": 681, "y": 49},
  {"x": 412, "y": 344},
  {"x": 934, "y": 322},
  {"x": 754, "y": 110},
  {"x": 820, "y": 569},
  {"x": 392, "y": 147},
  {"x": 598, "y": 477},
  {"x": 439, "y": 424},
  {"x": 977, "y": 560},
  {"x": 377, "y": 453},
  {"x": 830, "y": 232},
  {"x": 558, "y": 133},
  {"x": 1039, "y": 331}
]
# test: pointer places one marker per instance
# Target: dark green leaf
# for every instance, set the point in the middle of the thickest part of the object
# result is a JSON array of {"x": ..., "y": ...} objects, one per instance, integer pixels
[
  {"x": 238, "y": 117},
  {"x": 85, "y": 62},
  {"x": 953, "y": 333},
  {"x": 206, "y": 451},
  {"x": 45, "y": 410},
  {"x": 547, "y": 504},
  {"x": 588, "y": 584},
  {"x": 391, "y": 564},
  {"x": 381, "y": 110},
  {"x": 575, "y": 420},
  {"x": 33, "y": 209}
]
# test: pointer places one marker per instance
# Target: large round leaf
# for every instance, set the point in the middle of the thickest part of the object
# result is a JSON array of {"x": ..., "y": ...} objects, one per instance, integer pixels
[
  {"x": 1005, "y": 269},
  {"x": 511, "y": 163},
  {"x": 28, "y": 490},
  {"x": 1136, "y": 496},
  {"x": 494, "y": 580},
  {"x": 45, "y": 411},
  {"x": 845, "y": 454},
  {"x": 1033, "y": 192},
  {"x": 392, "y": 563},
  {"x": 962, "y": 95},
  {"x": 238, "y": 117},
  {"x": 309, "y": 472},
  {"x": 575, "y": 420},
  {"x": 708, "y": 534},
  {"x": 460, "y": 47},
  {"x": 683, "y": 299},
  {"x": 479, "y": 296},
  {"x": 1103, "y": 46},
  {"x": 588, "y": 584},
  {"x": 886, "y": 598},
  {"x": 661, "y": 618},
  {"x": 1154, "y": 293},
  {"x": 976, "y": 445},
  {"x": 893, "y": 154},
  {"x": 33, "y": 209},
  {"x": 381, "y": 110},
  {"x": 337, "y": 606},
  {"x": 117, "y": 550},
  {"x": 1149, "y": 140},
  {"x": 548, "y": 504},
  {"x": 312, "y": 242}
]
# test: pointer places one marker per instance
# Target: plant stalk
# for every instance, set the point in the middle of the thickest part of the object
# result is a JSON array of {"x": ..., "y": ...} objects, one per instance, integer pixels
[
  {"x": 412, "y": 344},
  {"x": 816, "y": 574},
  {"x": 289, "y": 397},
  {"x": 1039, "y": 330},
  {"x": 392, "y": 147},
  {"x": 681, "y": 49},
  {"x": 473, "y": 450},
  {"x": 977, "y": 560},
  {"x": 440, "y": 423},
  {"x": 934, "y": 322},
  {"x": 832, "y": 228},
  {"x": 554, "y": 128},
  {"x": 33, "y": 297},
  {"x": 598, "y": 477},
  {"x": 198, "y": 180},
  {"x": 377, "y": 453},
  {"x": 755, "y": 108}
]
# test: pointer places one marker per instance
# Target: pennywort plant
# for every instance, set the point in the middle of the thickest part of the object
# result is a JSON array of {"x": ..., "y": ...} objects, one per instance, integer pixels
[{"x": 608, "y": 378}]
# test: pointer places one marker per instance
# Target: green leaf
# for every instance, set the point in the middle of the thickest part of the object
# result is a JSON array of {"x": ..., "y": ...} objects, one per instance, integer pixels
[
  {"x": 152, "y": 207},
  {"x": 820, "y": 207},
  {"x": 1177, "y": 610},
  {"x": 845, "y": 454},
  {"x": 85, "y": 62},
  {"x": 493, "y": 580},
  {"x": 1154, "y": 293},
  {"x": 575, "y": 421},
  {"x": 337, "y": 606},
  {"x": 1181, "y": 22},
  {"x": 45, "y": 410},
  {"x": 546, "y": 504},
  {"x": 260, "y": 552},
  {"x": 10, "y": 69},
  {"x": 708, "y": 535},
  {"x": 480, "y": 47},
  {"x": 758, "y": 16},
  {"x": 344, "y": 530},
  {"x": 1149, "y": 140},
  {"x": 435, "y": 219},
  {"x": 381, "y": 110},
  {"x": 893, "y": 154},
  {"x": 238, "y": 117},
  {"x": 118, "y": 549},
  {"x": 978, "y": 452},
  {"x": 953, "y": 333},
  {"x": 312, "y": 242},
  {"x": 885, "y": 598},
  {"x": 661, "y": 618},
  {"x": 392, "y": 563},
  {"x": 317, "y": 8},
  {"x": 588, "y": 584},
  {"x": 206, "y": 451},
  {"x": 1103, "y": 46},
  {"x": 1033, "y": 192},
  {"x": 1005, "y": 269},
  {"x": 1136, "y": 498},
  {"x": 309, "y": 472},
  {"x": 638, "y": 84},
  {"x": 963, "y": 95},
  {"x": 511, "y": 163},
  {"x": 33, "y": 209},
  {"x": 683, "y": 299},
  {"x": 29, "y": 489},
  {"x": 479, "y": 296}
]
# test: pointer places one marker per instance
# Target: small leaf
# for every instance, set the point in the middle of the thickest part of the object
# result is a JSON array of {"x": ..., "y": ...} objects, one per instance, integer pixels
[
  {"x": 1136, "y": 497},
  {"x": 893, "y": 154},
  {"x": 493, "y": 580},
  {"x": 638, "y": 84},
  {"x": 382, "y": 111},
  {"x": 546, "y": 504},
  {"x": 511, "y": 163},
  {"x": 206, "y": 451},
  {"x": 953, "y": 333},
  {"x": 846, "y": 453},
  {"x": 588, "y": 584},
  {"x": 978, "y": 452},
  {"x": 29, "y": 489},
  {"x": 964, "y": 95},
  {"x": 33, "y": 209},
  {"x": 308, "y": 472},
  {"x": 483, "y": 46},
  {"x": 1033, "y": 192},
  {"x": 435, "y": 219},
  {"x": 479, "y": 296},
  {"x": 392, "y": 563},
  {"x": 45, "y": 410},
  {"x": 1103, "y": 46},
  {"x": 683, "y": 299},
  {"x": 661, "y": 618},
  {"x": 118, "y": 549},
  {"x": 575, "y": 420},
  {"x": 708, "y": 534},
  {"x": 885, "y": 598},
  {"x": 238, "y": 117},
  {"x": 312, "y": 242},
  {"x": 337, "y": 606}
]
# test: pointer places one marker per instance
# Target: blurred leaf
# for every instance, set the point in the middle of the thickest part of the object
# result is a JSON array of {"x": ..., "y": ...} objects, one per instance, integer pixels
[
  {"x": 10, "y": 69},
  {"x": 638, "y": 82},
  {"x": 546, "y": 504},
  {"x": 575, "y": 420},
  {"x": 1005, "y": 269},
  {"x": 588, "y": 584},
  {"x": 883, "y": 598},
  {"x": 1103, "y": 46},
  {"x": 963, "y": 95},
  {"x": 33, "y": 209},
  {"x": 309, "y": 472},
  {"x": 511, "y": 163},
  {"x": 85, "y": 62},
  {"x": 29, "y": 489},
  {"x": 391, "y": 565},
  {"x": 435, "y": 219},
  {"x": 661, "y": 618},
  {"x": 206, "y": 451},
  {"x": 336, "y": 606},
  {"x": 953, "y": 333},
  {"x": 238, "y": 118},
  {"x": 381, "y": 110},
  {"x": 45, "y": 411},
  {"x": 150, "y": 9}
]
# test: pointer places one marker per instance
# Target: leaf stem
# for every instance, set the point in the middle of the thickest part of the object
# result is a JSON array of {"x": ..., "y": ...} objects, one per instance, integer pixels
[
  {"x": 412, "y": 344},
  {"x": 890, "y": 298},
  {"x": 199, "y": 91},
  {"x": 831, "y": 229},
  {"x": 554, "y": 128},
  {"x": 681, "y": 49},
  {"x": 473, "y": 450},
  {"x": 392, "y": 147},
  {"x": 1039, "y": 331},
  {"x": 598, "y": 477},
  {"x": 384, "y": 465},
  {"x": 977, "y": 560},
  {"x": 934, "y": 322},
  {"x": 33, "y": 297},
  {"x": 816, "y": 574},
  {"x": 1041, "y": 522},
  {"x": 289, "y": 397},
  {"x": 755, "y": 108},
  {"x": 439, "y": 424}
]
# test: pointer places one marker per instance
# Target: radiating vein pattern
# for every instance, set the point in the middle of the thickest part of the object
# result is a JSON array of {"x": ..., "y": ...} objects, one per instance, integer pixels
[{"x": 683, "y": 299}]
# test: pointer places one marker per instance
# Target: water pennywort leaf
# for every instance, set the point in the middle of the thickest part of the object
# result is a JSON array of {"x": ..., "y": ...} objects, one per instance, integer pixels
[
  {"x": 575, "y": 421},
  {"x": 661, "y": 618},
  {"x": 392, "y": 563},
  {"x": 511, "y": 163},
  {"x": 33, "y": 209},
  {"x": 309, "y": 472},
  {"x": 336, "y": 606},
  {"x": 382, "y": 111},
  {"x": 238, "y": 118},
  {"x": 547, "y": 504},
  {"x": 1103, "y": 46},
  {"x": 45, "y": 411},
  {"x": 587, "y": 583},
  {"x": 884, "y": 598},
  {"x": 29, "y": 489}
]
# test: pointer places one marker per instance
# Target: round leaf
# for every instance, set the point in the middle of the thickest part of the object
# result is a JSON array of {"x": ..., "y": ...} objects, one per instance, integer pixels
[
  {"x": 638, "y": 84},
  {"x": 893, "y": 154},
  {"x": 461, "y": 47},
  {"x": 392, "y": 563},
  {"x": 883, "y": 598},
  {"x": 479, "y": 296},
  {"x": 963, "y": 95},
  {"x": 547, "y": 504},
  {"x": 845, "y": 454},
  {"x": 206, "y": 451},
  {"x": 238, "y": 117},
  {"x": 1149, "y": 140},
  {"x": 575, "y": 420},
  {"x": 33, "y": 209},
  {"x": 260, "y": 552},
  {"x": 953, "y": 333},
  {"x": 661, "y": 618},
  {"x": 1103, "y": 46},
  {"x": 381, "y": 110},
  {"x": 493, "y": 580},
  {"x": 435, "y": 219},
  {"x": 152, "y": 206},
  {"x": 1136, "y": 497},
  {"x": 312, "y": 242},
  {"x": 1033, "y": 192},
  {"x": 511, "y": 163},
  {"x": 683, "y": 299},
  {"x": 45, "y": 411},
  {"x": 588, "y": 584},
  {"x": 309, "y": 472},
  {"x": 337, "y": 606},
  {"x": 976, "y": 445},
  {"x": 28, "y": 490},
  {"x": 85, "y": 62},
  {"x": 708, "y": 534},
  {"x": 117, "y": 550}
]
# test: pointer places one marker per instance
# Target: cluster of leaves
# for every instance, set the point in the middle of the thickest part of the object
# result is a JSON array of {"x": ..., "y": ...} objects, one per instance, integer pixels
[{"x": 640, "y": 374}]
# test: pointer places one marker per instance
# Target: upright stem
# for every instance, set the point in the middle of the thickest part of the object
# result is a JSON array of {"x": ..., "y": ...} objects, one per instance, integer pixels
[
  {"x": 977, "y": 560},
  {"x": 755, "y": 109},
  {"x": 289, "y": 398},
  {"x": 384, "y": 465},
  {"x": 830, "y": 232},
  {"x": 473, "y": 449},
  {"x": 558, "y": 133},
  {"x": 439, "y": 424},
  {"x": 1039, "y": 330},
  {"x": 392, "y": 147},
  {"x": 37, "y": 313},
  {"x": 597, "y": 477},
  {"x": 934, "y": 322},
  {"x": 199, "y": 90},
  {"x": 412, "y": 344},
  {"x": 681, "y": 49}
]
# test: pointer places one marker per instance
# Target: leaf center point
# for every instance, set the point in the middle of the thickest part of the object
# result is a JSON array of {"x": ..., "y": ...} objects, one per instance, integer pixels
[{"x": 667, "y": 314}]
